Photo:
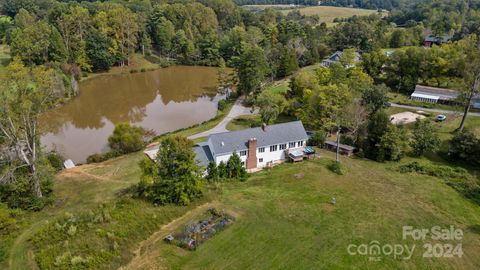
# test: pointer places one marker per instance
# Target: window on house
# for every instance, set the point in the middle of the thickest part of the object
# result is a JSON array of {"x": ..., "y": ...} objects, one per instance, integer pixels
[
  {"x": 243, "y": 153},
  {"x": 261, "y": 149},
  {"x": 260, "y": 160},
  {"x": 243, "y": 163},
  {"x": 283, "y": 146},
  {"x": 300, "y": 143},
  {"x": 273, "y": 148},
  {"x": 291, "y": 145}
]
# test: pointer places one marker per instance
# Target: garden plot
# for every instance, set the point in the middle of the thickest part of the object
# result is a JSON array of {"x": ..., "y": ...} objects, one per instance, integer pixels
[{"x": 197, "y": 232}]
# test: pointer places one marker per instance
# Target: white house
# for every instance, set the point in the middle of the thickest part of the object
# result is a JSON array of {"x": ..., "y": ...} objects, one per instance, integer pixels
[{"x": 257, "y": 147}]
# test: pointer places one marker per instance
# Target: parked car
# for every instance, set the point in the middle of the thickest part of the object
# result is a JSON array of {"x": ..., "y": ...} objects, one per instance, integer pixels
[
  {"x": 387, "y": 104},
  {"x": 440, "y": 118}
]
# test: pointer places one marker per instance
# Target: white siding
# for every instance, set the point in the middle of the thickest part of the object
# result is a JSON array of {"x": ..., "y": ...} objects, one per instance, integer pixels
[
  {"x": 225, "y": 157},
  {"x": 267, "y": 155}
]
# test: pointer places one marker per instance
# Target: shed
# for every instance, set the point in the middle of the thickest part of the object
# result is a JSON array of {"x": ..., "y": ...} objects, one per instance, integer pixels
[{"x": 344, "y": 149}]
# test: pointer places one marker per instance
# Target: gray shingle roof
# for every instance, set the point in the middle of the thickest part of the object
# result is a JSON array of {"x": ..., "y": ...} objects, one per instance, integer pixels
[
  {"x": 442, "y": 93},
  {"x": 274, "y": 134},
  {"x": 203, "y": 154},
  {"x": 335, "y": 57}
]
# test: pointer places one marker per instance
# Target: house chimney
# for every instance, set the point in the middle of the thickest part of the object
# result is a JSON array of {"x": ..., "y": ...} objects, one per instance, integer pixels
[
  {"x": 264, "y": 127},
  {"x": 252, "y": 154}
]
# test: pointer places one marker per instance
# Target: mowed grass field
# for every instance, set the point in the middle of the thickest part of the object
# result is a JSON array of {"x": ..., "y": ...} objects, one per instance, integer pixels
[
  {"x": 326, "y": 13},
  {"x": 285, "y": 220}
]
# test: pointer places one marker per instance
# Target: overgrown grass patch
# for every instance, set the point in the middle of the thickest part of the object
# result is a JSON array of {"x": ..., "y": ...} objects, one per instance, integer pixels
[{"x": 99, "y": 238}]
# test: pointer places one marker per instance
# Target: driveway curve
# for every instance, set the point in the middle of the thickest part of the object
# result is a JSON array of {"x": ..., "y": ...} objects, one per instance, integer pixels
[{"x": 237, "y": 110}]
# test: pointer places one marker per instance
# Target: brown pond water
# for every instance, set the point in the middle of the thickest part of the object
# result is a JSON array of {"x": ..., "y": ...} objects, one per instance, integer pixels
[{"x": 162, "y": 100}]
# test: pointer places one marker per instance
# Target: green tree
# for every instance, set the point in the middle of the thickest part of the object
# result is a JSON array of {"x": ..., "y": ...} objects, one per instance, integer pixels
[
  {"x": 98, "y": 50},
  {"x": 425, "y": 138},
  {"x": 177, "y": 178},
  {"x": 212, "y": 172},
  {"x": 184, "y": 47},
  {"x": 465, "y": 146},
  {"x": 374, "y": 98},
  {"x": 393, "y": 144},
  {"x": 348, "y": 57},
  {"x": 164, "y": 35},
  {"x": 251, "y": 69},
  {"x": 377, "y": 126},
  {"x": 373, "y": 62},
  {"x": 5, "y": 24},
  {"x": 222, "y": 170},
  {"x": 470, "y": 73},
  {"x": 271, "y": 106},
  {"x": 37, "y": 44},
  {"x": 288, "y": 63},
  {"x": 23, "y": 19},
  {"x": 397, "y": 39},
  {"x": 12, "y": 7},
  {"x": 126, "y": 138},
  {"x": 235, "y": 168},
  {"x": 26, "y": 93},
  {"x": 209, "y": 46},
  {"x": 123, "y": 28},
  {"x": 403, "y": 69},
  {"x": 323, "y": 106}
]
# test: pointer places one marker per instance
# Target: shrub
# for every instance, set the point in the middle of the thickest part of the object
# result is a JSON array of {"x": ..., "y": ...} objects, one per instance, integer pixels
[
  {"x": 143, "y": 70},
  {"x": 458, "y": 178},
  {"x": 96, "y": 158},
  {"x": 126, "y": 138},
  {"x": 212, "y": 172},
  {"x": 56, "y": 160},
  {"x": 440, "y": 171},
  {"x": 465, "y": 146},
  {"x": 425, "y": 137},
  {"x": 18, "y": 193},
  {"x": 318, "y": 138},
  {"x": 222, "y": 104},
  {"x": 336, "y": 167}
]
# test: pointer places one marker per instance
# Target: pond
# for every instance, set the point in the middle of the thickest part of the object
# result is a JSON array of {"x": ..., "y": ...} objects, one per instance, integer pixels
[{"x": 162, "y": 100}]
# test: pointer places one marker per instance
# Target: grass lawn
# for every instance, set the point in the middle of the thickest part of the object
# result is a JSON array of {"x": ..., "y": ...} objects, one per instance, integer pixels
[
  {"x": 326, "y": 13},
  {"x": 138, "y": 63},
  {"x": 285, "y": 220},
  {"x": 248, "y": 121}
]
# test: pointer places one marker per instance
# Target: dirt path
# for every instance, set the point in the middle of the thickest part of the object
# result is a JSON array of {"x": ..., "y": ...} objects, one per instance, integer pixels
[{"x": 147, "y": 255}]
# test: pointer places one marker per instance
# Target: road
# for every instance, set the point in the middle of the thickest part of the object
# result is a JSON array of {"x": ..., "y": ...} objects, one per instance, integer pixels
[
  {"x": 237, "y": 110},
  {"x": 433, "y": 110}
]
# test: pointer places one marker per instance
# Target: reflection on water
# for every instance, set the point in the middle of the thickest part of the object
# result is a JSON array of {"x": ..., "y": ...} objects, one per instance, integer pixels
[{"x": 162, "y": 100}]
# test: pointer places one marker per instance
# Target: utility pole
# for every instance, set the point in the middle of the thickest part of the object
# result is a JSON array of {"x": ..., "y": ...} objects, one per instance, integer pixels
[{"x": 337, "y": 156}]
